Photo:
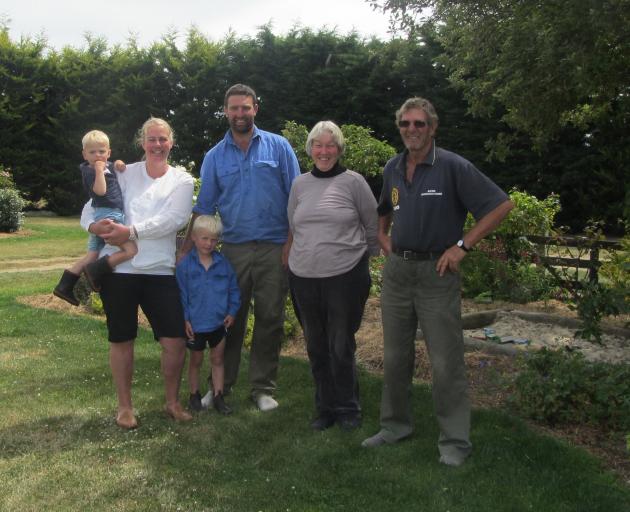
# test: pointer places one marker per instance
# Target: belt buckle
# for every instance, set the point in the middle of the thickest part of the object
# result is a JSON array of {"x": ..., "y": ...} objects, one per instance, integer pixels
[{"x": 407, "y": 255}]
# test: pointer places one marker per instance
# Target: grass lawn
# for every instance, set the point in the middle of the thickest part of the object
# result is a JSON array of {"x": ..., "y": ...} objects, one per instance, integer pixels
[{"x": 60, "y": 448}]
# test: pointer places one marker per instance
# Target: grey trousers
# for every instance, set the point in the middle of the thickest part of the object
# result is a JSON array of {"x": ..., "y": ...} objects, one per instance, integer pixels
[
  {"x": 261, "y": 276},
  {"x": 412, "y": 293}
]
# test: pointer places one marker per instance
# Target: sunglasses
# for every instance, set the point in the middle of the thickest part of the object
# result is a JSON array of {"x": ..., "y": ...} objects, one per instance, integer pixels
[{"x": 416, "y": 123}]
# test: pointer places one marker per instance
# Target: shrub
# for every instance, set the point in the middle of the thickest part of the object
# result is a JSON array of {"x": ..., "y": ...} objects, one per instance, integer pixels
[
  {"x": 376, "y": 274},
  {"x": 6, "y": 178},
  {"x": 364, "y": 153},
  {"x": 504, "y": 265},
  {"x": 11, "y": 210},
  {"x": 561, "y": 387}
]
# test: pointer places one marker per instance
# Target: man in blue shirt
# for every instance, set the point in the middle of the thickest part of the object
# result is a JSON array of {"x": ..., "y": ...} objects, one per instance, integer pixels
[{"x": 246, "y": 178}]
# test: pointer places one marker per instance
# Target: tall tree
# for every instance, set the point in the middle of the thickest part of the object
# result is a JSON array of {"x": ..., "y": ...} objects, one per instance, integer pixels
[{"x": 551, "y": 70}]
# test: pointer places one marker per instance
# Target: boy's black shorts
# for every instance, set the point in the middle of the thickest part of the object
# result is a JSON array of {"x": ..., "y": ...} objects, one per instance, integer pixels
[
  {"x": 157, "y": 295},
  {"x": 212, "y": 339}
]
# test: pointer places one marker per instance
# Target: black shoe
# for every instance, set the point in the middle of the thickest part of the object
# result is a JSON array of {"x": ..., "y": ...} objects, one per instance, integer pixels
[
  {"x": 220, "y": 405},
  {"x": 94, "y": 272},
  {"x": 349, "y": 422},
  {"x": 194, "y": 402},
  {"x": 65, "y": 288},
  {"x": 323, "y": 422}
]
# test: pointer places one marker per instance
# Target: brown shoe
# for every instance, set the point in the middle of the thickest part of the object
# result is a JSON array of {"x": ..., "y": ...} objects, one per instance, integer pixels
[
  {"x": 125, "y": 419},
  {"x": 176, "y": 412}
]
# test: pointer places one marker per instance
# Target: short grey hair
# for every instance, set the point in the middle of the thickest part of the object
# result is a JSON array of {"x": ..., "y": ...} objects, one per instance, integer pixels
[
  {"x": 319, "y": 129},
  {"x": 421, "y": 104}
]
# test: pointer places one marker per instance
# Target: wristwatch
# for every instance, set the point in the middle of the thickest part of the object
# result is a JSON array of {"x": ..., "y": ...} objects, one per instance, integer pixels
[
  {"x": 460, "y": 244},
  {"x": 133, "y": 234}
]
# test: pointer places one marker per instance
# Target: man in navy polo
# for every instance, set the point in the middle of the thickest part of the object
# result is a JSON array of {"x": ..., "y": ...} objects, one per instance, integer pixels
[
  {"x": 427, "y": 193},
  {"x": 246, "y": 178}
]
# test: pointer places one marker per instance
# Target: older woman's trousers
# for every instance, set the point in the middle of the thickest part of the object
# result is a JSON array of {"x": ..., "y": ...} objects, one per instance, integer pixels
[{"x": 330, "y": 310}]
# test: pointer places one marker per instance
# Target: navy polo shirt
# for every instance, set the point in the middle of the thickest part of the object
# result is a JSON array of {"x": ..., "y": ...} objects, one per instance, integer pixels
[
  {"x": 113, "y": 197},
  {"x": 249, "y": 190},
  {"x": 428, "y": 214}
]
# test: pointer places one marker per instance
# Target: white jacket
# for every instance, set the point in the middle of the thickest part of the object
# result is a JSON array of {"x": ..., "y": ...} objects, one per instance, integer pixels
[{"x": 157, "y": 208}]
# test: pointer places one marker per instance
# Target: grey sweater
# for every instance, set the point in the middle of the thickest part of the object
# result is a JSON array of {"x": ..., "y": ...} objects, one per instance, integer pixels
[{"x": 333, "y": 221}]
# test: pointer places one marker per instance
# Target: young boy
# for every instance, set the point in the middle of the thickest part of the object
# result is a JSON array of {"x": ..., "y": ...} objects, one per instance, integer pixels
[
  {"x": 101, "y": 184},
  {"x": 211, "y": 298}
]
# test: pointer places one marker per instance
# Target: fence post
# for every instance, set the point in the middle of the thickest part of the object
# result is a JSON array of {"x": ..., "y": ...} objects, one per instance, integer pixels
[{"x": 592, "y": 273}]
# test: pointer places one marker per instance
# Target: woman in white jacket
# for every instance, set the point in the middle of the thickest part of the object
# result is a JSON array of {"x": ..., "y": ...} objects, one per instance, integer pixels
[{"x": 158, "y": 202}]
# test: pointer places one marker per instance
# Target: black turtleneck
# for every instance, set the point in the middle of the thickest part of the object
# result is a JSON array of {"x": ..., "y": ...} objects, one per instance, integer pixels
[{"x": 335, "y": 171}]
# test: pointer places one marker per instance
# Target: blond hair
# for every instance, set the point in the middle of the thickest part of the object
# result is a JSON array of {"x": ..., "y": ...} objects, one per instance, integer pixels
[
  {"x": 208, "y": 223},
  {"x": 154, "y": 121},
  {"x": 94, "y": 137}
]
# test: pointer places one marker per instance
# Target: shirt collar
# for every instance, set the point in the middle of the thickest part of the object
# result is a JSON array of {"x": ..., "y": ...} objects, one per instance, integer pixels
[
  {"x": 428, "y": 160},
  {"x": 229, "y": 138},
  {"x": 335, "y": 171}
]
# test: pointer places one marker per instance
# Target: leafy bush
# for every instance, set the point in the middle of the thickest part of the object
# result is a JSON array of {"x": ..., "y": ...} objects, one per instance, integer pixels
[
  {"x": 376, "y": 274},
  {"x": 11, "y": 210},
  {"x": 504, "y": 265},
  {"x": 364, "y": 153},
  {"x": 562, "y": 387},
  {"x": 6, "y": 178}
]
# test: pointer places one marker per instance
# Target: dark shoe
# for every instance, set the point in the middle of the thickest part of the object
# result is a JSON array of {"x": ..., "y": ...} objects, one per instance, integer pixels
[
  {"x": 323, "y": 422},
  {"x": 65, "y": 288},
  {"x": 194, "y": 402},
  {"x": 349, "y": 422},
  {"x": 220, "y": 405},
  {"x": 94, "y": 272}
]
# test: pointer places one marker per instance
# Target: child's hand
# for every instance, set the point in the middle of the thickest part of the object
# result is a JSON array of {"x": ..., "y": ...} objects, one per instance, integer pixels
[
  {"x": 228, "y": 321},
  {"x": 99, "y": 166},
  {"x": 120, "y": 166},
  {"x": 189, "y": 331}
]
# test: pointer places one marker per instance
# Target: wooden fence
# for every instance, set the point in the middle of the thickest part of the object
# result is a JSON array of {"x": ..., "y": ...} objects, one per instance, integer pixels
[{"x": 583, "y": 246}]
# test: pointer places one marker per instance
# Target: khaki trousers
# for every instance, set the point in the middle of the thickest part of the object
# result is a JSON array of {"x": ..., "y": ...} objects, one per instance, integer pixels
[
  {"x": 413, "y": 293},
  {"x": 261, "y": 277}
]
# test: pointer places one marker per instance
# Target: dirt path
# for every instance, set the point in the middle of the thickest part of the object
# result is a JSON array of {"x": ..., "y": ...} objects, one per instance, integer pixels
[{"x": 36, "y": 265}]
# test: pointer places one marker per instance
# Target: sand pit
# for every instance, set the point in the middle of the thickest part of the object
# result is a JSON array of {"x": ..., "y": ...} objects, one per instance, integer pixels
[{"x": 543, "y": 330}]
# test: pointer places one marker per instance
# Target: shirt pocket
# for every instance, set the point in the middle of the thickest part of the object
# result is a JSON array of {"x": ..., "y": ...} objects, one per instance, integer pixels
[
  {"x": 228, "y": 176},
  {"x": 268, "y": 165}
]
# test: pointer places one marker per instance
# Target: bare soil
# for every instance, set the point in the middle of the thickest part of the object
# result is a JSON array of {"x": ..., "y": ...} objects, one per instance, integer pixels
[{"x": 491, "y": 375}]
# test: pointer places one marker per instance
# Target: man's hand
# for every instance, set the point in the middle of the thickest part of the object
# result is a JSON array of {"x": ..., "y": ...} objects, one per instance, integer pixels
[
  {"x": 385, "y": 241},
  {"x": 120, "y": 166},
  {"x": 189, "y": 330},
  {"x": 117, "y": 235},
  {"x": 450, "y": 260},
  {"x": 228, "y": 321}
]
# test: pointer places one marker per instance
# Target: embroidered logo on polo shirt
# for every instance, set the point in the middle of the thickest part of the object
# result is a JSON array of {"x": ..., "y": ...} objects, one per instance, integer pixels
[
  {"x": 395, "y": 196},
  {"x": 431, "y": 192}
]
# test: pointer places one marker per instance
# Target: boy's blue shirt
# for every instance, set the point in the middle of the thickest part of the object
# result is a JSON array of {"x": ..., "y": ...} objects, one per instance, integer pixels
[{"x": 208, "y": 296}]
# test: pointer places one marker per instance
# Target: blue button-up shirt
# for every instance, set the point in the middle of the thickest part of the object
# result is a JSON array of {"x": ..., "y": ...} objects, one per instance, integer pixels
[
  {"x": 208, "y": 296},
  {"x": 249, "y": 190}
]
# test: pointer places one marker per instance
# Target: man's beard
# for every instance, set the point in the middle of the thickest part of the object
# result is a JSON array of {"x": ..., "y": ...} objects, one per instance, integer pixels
[{"x": 242, "y": 128}]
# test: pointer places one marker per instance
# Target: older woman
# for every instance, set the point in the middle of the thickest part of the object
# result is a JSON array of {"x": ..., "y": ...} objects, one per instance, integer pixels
[
  {"x": 333, "y": 222},
  {"x": 158, "y": 202}
]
